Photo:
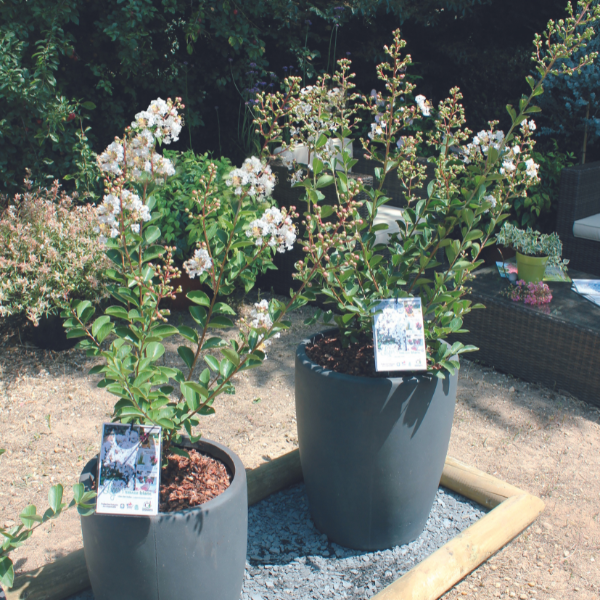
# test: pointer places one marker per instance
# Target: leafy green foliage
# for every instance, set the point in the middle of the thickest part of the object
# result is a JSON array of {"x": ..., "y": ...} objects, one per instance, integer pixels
[
  {"x": 472, "y": 192},
  {"x": 174, "y": 199},
  {"x": 15, "y": 536},
  {"x": 237, "y": 232}
]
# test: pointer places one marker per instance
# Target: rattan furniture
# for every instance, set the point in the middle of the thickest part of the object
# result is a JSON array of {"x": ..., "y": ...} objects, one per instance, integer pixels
[
  {"x": 579, "y": 198},
  {"x": 557, "y": 345}
]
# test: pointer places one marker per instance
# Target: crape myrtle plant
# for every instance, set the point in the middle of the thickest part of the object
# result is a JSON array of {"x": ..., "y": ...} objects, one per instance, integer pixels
[
  {"x": 238, "y": 231},
  {"x": 476, "y": 181}
]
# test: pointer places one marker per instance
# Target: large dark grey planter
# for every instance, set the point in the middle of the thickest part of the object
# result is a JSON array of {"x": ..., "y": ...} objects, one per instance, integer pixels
[
  {"x": 372, "y": 451},
  {"x": 198, "y": 553}
]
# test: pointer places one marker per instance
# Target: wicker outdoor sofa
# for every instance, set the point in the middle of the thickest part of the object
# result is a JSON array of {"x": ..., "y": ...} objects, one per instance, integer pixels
[{"x": 579, "y": 200}]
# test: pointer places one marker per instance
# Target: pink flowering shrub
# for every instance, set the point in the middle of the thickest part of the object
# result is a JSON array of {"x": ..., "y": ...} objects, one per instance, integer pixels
[
  {"x": 535, "y": 294},
  {"x": 49, "y": 253}
]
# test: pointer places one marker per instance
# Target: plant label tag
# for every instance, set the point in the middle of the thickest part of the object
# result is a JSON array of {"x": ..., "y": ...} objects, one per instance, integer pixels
[
  {"x": 398, "y": 335},
  {"x": 129, "y": 470}
]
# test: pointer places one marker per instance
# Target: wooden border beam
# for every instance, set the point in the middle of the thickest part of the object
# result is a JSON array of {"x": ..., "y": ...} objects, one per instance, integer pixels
[{"x": 513, "y": 511}]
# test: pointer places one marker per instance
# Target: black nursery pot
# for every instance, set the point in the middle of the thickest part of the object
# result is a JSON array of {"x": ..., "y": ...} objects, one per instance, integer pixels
[
  {"x": 196, "y": 553},
  {"x": 51, "y": 335},
  {"x": 372, "y": 451}
]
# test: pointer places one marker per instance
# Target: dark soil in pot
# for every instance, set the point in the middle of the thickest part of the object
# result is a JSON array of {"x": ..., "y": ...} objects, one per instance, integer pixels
[{"x": 198, "y": 550}]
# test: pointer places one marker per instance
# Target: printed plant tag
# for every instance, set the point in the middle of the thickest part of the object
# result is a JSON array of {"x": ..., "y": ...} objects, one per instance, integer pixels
[
  {"x": 129, "y": 470},
  {"x": 399, "y": 339}
]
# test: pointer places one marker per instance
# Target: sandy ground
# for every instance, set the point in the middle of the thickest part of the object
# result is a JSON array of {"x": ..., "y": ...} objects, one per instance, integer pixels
[{"x": 548, "y": 444}]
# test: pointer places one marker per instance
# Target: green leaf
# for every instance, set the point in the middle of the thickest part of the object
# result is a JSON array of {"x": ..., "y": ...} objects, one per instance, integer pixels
[
  {"x": 198, "y": 297},
  {"x": 212, "y": 362},
  {"x": 187, "y": 355},
  {"x": 7, "y": 574},
  {"x": 226, "y": 367},
  {"x": 326, "y": 211},
  {"x": 98, "y": 323},
  {"x": 29, "y": 517},
  {"x": 232, "y": 355},
  {"x": 154, "y": 350},
  {"x": 55, "y": 497},
  {"x": 198, "y": 314},
  {"x": 220, "y": 321},
  {"x": 220, "y": 308},
  {"x": 213, "y": 342},
  {"x": 179, "y": 451},
  {"x": 78, "y": 491},
  {"x": 88, "y": 105},
  {"x": 188, "y": 333},
  {"x": 324, "y": 181},
  {"x": 151, "y": 234},
  {"x": 116, "y": 311}
]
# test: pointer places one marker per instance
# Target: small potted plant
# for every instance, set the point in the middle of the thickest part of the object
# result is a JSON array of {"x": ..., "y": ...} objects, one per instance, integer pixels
[
  {"x": 49, "y": 254},
  {"x": 373, "y": 444},
  {"x": 534, "y": 250},
  {"x": 191, "y": 548}
]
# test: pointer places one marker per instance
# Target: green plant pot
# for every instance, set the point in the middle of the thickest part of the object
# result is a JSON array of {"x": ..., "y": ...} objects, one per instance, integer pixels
[{"x": 531, "y": 268}]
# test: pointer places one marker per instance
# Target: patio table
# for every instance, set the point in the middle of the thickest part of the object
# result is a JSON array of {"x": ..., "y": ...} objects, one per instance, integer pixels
[{"x": 556, "y": 345}]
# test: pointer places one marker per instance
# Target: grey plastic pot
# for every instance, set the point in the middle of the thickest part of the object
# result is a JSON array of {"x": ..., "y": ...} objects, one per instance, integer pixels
[
  {"x": 197, "y": 553},
  {"x": 372, "y": 451}
]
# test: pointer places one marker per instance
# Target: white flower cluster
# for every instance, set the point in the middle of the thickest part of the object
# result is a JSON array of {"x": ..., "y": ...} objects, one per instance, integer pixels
[
  {"x": 256, "y": 177},
  {"x": 275, "y": 228},
  {"x": 483, "y": 141},
  {"x": 262, "y": 320},
  {"x": 528, "y": 125},
  {"x": 390, "y": 325},
  {"x": 162, "y": 118},
  {"x": 424, "y": 105},
  {"x": 159, "y": 122},
  {"x": 133, "y": 210},
  {"x": 198, "y": 264}
]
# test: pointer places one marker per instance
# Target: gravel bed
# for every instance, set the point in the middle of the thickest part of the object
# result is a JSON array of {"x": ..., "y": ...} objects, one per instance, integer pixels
[{"x": 288, "y": 557}]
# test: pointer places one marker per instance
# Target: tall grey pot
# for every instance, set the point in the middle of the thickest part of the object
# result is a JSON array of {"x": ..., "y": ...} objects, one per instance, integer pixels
[
  {"x": 197, "y": 553},
  {"x": 372, "y": 451}
]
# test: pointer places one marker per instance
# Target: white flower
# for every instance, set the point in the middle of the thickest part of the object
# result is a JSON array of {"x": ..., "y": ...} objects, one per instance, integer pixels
[
  {"x": 528, "y": 125},
  {"x": 198, "y": 264},
  {"x": 112, "y": 158},
  {"x": 377, "y": 130},
  {"x": 423, "y": 105},
  {"x": 508, "y": 167},
  {"x": 253, "y": 178},
  {"x": 262, "y": 320},
  {"x": 531, "y": 168},
  {"x": 162, "y": 119},
  {"x": 275, "y": 228},
  {"x": 491, "y": 200}
]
